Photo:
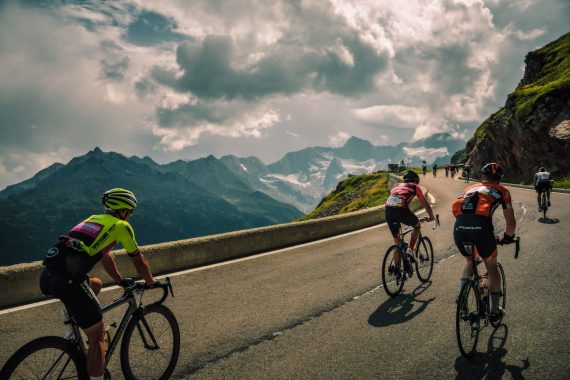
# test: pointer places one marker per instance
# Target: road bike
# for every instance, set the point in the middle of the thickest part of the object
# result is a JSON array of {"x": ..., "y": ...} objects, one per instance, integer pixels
[
  {"x": 466, "y": 174},
  {"x": 474, "y": 306},
  {"x": 424, "y": 171},
  {"x": 543, "y": 202},
  {"x": 398, "y": 266},
  {"x": 434, "y": 173},
  {"x": 149, "y": 349}
]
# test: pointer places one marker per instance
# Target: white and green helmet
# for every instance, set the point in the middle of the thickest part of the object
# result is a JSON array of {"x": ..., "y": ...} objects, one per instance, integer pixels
[{"x": 119, "y": 199}]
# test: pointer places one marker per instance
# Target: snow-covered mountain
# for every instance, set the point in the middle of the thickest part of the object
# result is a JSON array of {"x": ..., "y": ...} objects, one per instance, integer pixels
[{"x": 302, "y": 178}]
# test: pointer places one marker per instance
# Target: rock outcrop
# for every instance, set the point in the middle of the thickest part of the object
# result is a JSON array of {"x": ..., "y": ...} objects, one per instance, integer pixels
[{"x": 533, "y": 128}]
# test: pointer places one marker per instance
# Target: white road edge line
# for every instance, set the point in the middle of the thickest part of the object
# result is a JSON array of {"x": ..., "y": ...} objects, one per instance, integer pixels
[{"x": 186, "y": 271}]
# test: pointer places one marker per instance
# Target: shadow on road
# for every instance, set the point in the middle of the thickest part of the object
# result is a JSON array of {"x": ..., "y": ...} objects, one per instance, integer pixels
[
  {"x": 547, "y": 220},
  {"x": 400, "y": 309},
  {"x": 490, "y": 365}
]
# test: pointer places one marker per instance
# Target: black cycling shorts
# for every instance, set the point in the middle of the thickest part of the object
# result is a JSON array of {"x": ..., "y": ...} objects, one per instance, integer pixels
[
  {"x": 475, "y": 229},
  {"x": 397, "y": 215},
  {"x": 542, "y": 185},
  {"x": 76, "y": 295}
]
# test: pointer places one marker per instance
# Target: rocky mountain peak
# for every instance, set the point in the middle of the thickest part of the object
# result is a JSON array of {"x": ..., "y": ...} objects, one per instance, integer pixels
[{"x": 532, "y": 129}]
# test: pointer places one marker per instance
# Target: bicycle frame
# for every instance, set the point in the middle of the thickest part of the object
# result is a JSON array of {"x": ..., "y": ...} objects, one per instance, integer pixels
[{"x": 133, "y": 297}]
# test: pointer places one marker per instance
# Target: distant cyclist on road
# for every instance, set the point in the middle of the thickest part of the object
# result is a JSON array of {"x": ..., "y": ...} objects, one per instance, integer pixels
[
  {"x": 542, "y": 181},
  {"x": 398, "y": 208},
  {"x": 466, "y": 172},
  {"x": 424, "y": 168},
  {"x": 474, "y": 223},
  {"x": 68, "y": 262},
  {"x": 434, "y": 168},
  {"x": 446, "y": 170}
]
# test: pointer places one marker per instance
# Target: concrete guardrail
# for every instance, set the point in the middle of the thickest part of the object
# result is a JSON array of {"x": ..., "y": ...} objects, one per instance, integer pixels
[{"x": 19, "y": 283}]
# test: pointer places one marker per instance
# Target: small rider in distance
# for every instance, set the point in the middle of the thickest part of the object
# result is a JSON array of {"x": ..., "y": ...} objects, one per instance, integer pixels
[
  {"x": 542, "y": 181},
  {"x": 68, "y": 262},
  {"x": 398, "y": 208}
]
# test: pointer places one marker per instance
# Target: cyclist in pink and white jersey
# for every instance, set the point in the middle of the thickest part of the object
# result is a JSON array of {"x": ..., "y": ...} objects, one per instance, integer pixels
[{"x": 398, "y": 211}]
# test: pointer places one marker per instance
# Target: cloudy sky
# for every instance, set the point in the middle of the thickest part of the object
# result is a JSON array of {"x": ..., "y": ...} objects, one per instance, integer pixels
[{"x": 184, "y": 79}]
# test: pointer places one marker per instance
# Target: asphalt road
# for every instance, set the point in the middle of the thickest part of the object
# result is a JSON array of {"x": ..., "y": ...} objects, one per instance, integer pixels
[{"x": 318, "y": 312}]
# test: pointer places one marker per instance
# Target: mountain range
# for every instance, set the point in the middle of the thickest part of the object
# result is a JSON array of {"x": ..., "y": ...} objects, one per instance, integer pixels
[{"x": 185, "y": 199}]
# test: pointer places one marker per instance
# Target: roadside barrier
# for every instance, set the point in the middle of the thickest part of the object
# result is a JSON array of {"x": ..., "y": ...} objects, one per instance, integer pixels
[{"x": 20, "y": 282}]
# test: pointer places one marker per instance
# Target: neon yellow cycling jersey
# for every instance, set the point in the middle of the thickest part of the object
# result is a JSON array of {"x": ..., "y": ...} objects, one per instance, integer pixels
[{"x": 100, "y": 233}]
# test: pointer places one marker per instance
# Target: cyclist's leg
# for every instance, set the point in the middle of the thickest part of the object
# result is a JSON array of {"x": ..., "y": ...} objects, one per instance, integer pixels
[
  {"x": 410, "y": 219},
  {"x": 392, "y": 219},
  {"x": 96, "y": 284},
  {"x": 487, "y": 248},
  {"x": 537, "y": 188},
  {"x": 460, "y": 236},
  {"x": 83, "y": 306},
  {"x": 95, "y": 354}
]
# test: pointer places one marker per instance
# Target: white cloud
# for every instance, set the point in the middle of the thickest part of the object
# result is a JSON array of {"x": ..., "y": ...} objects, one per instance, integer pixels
[
  {"x": 397, "y": 116},
  {"x": 428, "y": 154},
  {"x": 251, "y": 125},
  {"x": 531, "y": 35},
  {"x": 339, "y": 139}
]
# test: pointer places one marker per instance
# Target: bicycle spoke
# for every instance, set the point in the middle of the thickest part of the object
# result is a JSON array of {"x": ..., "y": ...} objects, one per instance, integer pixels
[{"x": 467, "y": 321}]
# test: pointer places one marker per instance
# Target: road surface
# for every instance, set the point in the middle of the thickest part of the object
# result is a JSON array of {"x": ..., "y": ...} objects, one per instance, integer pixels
[{"x": 318, "y": 312}]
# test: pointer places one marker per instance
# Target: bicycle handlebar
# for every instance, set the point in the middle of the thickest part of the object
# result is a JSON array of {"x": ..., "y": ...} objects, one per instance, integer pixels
[
  {"x": 517, "y": 242},
  {"x": 166, "y": 287},
  {"x": 435, "y": 222}
]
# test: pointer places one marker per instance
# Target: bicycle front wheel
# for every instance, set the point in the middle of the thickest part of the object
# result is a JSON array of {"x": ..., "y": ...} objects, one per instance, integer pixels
[
  {"x": 151, "y": 344},
  {"x": 503, "y": 299},
  {"x": 467, "y": 320},
  {"x": 424, "y": 259},
  {"x": 393, "y": 275},
  {"x": 49, "y": 357}
]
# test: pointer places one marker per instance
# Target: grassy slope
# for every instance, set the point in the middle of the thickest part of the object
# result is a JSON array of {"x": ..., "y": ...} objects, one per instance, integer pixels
[
  {"x": 354, "y": 193},
  {"x": 555, "y": 74}
]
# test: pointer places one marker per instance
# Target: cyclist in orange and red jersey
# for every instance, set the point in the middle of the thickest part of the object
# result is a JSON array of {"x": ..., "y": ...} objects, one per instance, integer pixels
[
  {"x": 474, "y": 223},
  {"x": 398, "y": 211}
]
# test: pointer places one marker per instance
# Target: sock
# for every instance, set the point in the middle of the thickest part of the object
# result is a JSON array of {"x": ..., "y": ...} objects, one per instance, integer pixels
[
  {"x": 495, "y": 297},
  {"x": 462, "y": 282}
]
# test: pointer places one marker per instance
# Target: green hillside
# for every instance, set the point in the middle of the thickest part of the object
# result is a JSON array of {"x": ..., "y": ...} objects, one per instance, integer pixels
[{"x": 354, "y": 193}]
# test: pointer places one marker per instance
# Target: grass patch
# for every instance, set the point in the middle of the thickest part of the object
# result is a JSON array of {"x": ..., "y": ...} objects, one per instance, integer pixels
[
  {"x": 563, "y": 183},
  {"x": 354, "y": 193}
]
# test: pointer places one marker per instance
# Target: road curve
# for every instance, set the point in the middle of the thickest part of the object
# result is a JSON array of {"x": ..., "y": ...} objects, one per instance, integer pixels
[{"x": 317, "y": 311}]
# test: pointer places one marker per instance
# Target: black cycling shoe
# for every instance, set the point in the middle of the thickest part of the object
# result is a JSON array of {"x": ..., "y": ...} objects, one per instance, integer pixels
[{"x": 496, "y": 317}]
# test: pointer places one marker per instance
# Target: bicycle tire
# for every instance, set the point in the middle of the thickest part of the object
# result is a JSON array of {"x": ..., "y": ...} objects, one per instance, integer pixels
[
  {"x": 392, "y": 285},
  {"x": 21, "y": 363},
  {"x": 424, "y": 259},
  {"x": 468, "y": 320},
  {"x": 139, "y": 365},
  {"x": 503, "y": 300},
  {"x": 544, "y": 204}
]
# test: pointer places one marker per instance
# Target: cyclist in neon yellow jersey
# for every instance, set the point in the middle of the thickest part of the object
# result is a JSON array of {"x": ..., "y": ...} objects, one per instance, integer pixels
[{"x": 68, "y": 262}]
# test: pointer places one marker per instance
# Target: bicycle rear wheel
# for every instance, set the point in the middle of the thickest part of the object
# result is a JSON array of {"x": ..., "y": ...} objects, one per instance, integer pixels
[
  {"x": 543, "y": 203},
  {"x": 151, "y": 344},
  {"x": 503, "y": 299},
  {"x": 49, "y": 357},
  {"x": 467, "y": 320},
  {"x": 393, "y": 275},
  {"x": 424, "y": 259}
]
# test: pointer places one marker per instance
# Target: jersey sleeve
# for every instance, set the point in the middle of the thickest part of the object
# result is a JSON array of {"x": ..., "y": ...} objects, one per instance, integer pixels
[
  {"x": 507, "y": 201},
  {"x": 420, "y": 194},
  {"x": 126, "y": 236}
]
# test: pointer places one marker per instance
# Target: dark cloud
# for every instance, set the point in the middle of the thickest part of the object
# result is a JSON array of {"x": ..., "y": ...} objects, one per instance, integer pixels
[
  {"x": 151, "y": 28},
  {"x": 208, "y": 70},
  {"x": 114, "y": 70}
]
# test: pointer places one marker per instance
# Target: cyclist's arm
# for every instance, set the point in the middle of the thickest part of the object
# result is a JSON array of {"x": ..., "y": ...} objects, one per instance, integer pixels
[
  {"x": 509, "y": 213},
  {"x": 110, "y": 267},
  {"x": 425, "y": 203},
  {"x": 129, "y": 243},
  {"x": 143, "y": 269},
  {"x": 511, "y": 221}
]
